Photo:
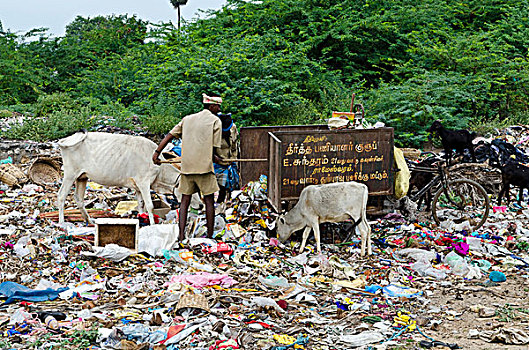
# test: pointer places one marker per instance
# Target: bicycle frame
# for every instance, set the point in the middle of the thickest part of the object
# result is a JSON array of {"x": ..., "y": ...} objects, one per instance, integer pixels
[
  {"x": 454, "y": 195},
  {"x": 439, "y": 179}
]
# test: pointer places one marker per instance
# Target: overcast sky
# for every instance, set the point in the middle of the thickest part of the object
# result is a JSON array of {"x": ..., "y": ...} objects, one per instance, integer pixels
[{"x": 23, "y": 15}]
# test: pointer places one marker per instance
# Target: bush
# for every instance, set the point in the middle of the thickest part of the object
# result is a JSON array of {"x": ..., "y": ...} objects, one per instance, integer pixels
[
  {"x": 47, "y": 104},
  {"x": 5, "y": 114},
  {"x": 57, "y": 125},
  {"x": 159, "y": 124}
]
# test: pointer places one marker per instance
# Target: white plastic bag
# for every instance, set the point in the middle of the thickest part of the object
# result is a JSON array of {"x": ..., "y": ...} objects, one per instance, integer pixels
[
  {"x": 364, "y": 338},
  {"x": 19, "y": 316},
  {"x": 263, "y": 301},
  {"x": 155, "y": 238},
  {"x": 424, "y": 268},
  {"x": 112, "y": 251}
]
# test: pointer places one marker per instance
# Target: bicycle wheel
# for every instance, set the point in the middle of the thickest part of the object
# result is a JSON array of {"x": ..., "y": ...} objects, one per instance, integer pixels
[{"x": 462, "y": 200}]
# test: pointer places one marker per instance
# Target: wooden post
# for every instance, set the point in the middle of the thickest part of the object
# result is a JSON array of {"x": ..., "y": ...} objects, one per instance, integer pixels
[{"x": 352, "y": 102}]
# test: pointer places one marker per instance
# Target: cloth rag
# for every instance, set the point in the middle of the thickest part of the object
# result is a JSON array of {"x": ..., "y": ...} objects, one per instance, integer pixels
[{"x": 204, "y": 279}]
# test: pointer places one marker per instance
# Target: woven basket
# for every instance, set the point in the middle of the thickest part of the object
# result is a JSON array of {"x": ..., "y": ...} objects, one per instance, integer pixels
[
  {"x": 11, "y": 175},
  {"x": 197, "y": 301},
  {"x": 411, "y": 153},
  {"x": 44, "y": 171}
]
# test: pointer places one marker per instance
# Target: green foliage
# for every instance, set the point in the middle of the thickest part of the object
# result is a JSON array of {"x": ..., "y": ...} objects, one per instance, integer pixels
[
  {"x": 56, "y": 125},
  {"x": 20, "y": 76},
  {"x": 47, "y": 104},
  {"x": 82, "y": 338},
  {"x": 5, "y": 114},
  {"x": 280, "y": 62}
]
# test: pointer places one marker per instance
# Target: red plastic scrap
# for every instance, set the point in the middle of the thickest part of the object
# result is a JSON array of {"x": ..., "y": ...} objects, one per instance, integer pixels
[
  {"x": 265, "y": 325},
  {"x": 144, "y": 218},
  {"x": 221, "y": 247}
]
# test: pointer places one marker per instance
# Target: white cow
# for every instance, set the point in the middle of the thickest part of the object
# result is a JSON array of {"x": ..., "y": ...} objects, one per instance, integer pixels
[
  {"x": 333, "y": 202},
  {"x": 112, "y": 160}
]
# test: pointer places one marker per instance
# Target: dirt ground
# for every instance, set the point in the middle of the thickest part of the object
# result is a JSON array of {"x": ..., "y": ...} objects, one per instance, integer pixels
[{"x": 506, "y": 299}]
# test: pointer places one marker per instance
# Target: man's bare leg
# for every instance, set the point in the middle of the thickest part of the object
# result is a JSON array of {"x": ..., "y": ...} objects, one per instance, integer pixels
[
  {"x": 182, "y": 219},
  {"x": 209, "y": 200}
]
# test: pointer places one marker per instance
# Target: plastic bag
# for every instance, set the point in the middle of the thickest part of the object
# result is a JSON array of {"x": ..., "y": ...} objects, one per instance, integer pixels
[
  {"x": 19, "y": 316},
  {"x": 400, "y": 291},
  {"x": 402, "y": 178},
  {"x": 460, "y": 266},
  {"x": 474, "y": 244},
  {"x": 20, "y": 247},
  {"x": 417, "y": 254},
  {"x": 113, "y": 252},
  {"x": 156, "y": 238},
  {"x": 364, "y": 338},
  {"x": 275, "y": 282},
  {"x": 424, "y": 268},
  {"x": 264, "y": 301},
  {"x": 300, "y": 259}
]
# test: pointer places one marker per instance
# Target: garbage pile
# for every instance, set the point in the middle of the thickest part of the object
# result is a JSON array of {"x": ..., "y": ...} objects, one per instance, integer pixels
[{"x": 423, "y": 286}]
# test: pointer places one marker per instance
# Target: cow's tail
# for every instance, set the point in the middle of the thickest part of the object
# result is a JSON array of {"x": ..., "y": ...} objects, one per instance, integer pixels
[
  {"x": 355, "y": 223},
  {"x": 362, "y": 217},
  {"x": 74, "y": 139}
]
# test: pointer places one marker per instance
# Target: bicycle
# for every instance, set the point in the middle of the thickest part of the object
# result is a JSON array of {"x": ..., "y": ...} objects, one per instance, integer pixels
[{"x": 457, "y": 200}]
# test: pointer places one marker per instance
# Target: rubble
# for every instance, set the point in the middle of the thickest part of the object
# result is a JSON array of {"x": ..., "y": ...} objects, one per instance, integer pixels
[{"x": 423, "y": 285}]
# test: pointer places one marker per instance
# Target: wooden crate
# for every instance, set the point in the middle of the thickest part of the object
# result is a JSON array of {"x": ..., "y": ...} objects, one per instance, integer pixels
[
  {"x": 160, "y": 208},
  {"x": 123, "y": 232}
]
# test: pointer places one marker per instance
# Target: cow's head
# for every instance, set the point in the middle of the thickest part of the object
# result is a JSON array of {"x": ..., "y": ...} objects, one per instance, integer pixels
[{"x": 283, "y": 229}]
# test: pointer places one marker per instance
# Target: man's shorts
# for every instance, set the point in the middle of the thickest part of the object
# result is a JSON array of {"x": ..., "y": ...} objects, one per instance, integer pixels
[{"x": 205, "y": 183}]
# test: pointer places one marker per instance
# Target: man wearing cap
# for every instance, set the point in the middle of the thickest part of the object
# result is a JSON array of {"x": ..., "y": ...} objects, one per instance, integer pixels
[{"x": 201, "y": 135}]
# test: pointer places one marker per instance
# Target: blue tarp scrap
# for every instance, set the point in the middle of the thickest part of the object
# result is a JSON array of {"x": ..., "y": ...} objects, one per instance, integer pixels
[{"x": 14, "y": 291}]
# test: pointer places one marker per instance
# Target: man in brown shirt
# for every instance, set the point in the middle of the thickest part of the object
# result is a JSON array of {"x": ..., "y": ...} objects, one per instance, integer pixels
[{"x": 201, "y": 136}]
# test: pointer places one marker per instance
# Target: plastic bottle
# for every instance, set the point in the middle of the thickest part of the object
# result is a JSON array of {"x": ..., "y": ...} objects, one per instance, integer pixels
[{"x": 51, "y": 322}]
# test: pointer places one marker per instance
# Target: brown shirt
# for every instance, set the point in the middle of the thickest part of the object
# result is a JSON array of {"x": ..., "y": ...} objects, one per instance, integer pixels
[
  {"x": 200, "y": 132},
  {"x": 230, "y": 151}
]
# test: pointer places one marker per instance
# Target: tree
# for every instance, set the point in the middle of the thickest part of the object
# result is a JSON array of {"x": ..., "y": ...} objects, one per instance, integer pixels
[{"x": 176, "y": 4}]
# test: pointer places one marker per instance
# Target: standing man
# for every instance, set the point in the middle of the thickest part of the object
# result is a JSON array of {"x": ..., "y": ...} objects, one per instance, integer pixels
[
  {"x": 201, "y": 137},
  {"x": 226, "y": 172}
]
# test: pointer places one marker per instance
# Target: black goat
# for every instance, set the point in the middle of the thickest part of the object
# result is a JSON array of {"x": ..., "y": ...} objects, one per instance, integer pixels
[
  {"x": 454, "y": 139},
  {"x": 513, "y": 173}
]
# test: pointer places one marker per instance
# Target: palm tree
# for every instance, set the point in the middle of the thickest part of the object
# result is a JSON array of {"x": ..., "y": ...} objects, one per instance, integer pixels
[{"x": 176, "y": 4}]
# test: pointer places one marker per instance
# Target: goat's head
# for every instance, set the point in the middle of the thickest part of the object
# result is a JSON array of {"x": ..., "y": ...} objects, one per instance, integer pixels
[{"x": 436, "y": 126}]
